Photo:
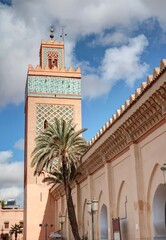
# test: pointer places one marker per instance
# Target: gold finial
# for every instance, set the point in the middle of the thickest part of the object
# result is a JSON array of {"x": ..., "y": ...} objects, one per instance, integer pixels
[{"x": 51, "y": 32}]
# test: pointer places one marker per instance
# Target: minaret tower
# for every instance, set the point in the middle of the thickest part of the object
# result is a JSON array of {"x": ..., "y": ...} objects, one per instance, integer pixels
[{"x": 51, "y": 91}]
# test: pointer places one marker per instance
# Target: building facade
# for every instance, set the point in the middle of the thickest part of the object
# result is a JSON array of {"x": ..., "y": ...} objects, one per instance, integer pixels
[
  {"x": 121, "y": 169},
  {"x": 9, "y": 216}
]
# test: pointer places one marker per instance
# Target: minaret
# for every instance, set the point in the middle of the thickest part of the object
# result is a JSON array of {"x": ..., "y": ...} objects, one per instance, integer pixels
[{"x": 51, "y": 91}]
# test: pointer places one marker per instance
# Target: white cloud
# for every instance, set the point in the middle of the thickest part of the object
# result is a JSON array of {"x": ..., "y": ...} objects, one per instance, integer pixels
[
  {"x": 11, "y": 177},
  {"x": 115, "y": 38},
  {"x": 27, "y": 22},
  {"x": 11, "y": 173},
  {"x": 5, "y": 156},
  {"x": 156, "y": 9},
  {"x": 123, "y": 63},
  {"x": 19, "y": 144},
  {"x": 12, "y": 193}
]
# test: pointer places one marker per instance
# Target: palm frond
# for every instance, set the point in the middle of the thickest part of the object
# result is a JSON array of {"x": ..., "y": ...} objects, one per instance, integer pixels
[{"x": 58, "y": 142}]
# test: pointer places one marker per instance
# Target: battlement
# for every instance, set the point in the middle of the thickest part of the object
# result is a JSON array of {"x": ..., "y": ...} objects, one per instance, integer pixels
[{"x": 157, "y": 72}]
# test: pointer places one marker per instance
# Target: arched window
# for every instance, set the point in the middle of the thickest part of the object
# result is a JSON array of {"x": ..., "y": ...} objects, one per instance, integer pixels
[
  {"x": 55, "y": 62},
  {"x": 45, "y": 124},
  {"x": 50, "y": 63},
  {"x": 52, "y": 59}
]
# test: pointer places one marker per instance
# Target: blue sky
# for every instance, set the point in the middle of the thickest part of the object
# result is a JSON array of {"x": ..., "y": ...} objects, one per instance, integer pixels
[{"x": 116, "y": 44}]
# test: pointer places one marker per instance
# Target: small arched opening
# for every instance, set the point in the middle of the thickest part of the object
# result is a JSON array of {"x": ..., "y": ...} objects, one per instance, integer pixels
[{"x": 103, "y": 223}]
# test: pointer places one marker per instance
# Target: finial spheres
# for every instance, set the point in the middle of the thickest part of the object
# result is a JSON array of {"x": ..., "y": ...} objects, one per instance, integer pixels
[{"x": 52, "y": 32}]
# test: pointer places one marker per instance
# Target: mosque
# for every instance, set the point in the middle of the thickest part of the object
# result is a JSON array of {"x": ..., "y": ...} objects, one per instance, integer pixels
[{"x": 122, "y": 172}]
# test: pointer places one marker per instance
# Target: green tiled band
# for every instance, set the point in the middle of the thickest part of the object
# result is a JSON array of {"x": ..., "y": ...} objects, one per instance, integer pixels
[{"x": 44, "y": 84}]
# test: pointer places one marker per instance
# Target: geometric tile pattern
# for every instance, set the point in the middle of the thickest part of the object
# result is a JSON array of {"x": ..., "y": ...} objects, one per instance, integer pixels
[
  {"x": 45, "y": 56},
  {"x": 45, "y": 84},
  {"x": 49, "y": 112}
]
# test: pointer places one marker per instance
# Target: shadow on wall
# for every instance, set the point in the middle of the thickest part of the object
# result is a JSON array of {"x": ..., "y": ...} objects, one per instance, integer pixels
[{"x": 46, "y": 226}]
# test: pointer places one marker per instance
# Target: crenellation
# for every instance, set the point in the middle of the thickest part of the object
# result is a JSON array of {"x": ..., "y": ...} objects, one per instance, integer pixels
[
  {"x": 127, "y": 103},
  {"x": 101, "y": 131},
  {"x": 149, "y": 79},
  {"x": 52, "y": 42},
  {"x": 106, "y": 125},
  {"x": 137, "y": 92},
  {"x": 162, "y": 64},
  {"x": 118, "y": 112},
  {"x": 78, "y": 70},
  {"x": 30, "y": 67},
  {"x": 110, "y": 121},
  {"x": 132, "y": 98},
  {"x": 143, "y": 86},
  {"x": 98, "y": 134},
  {"x": 122, "y": 108},
  {"x": 146, "y": 116},
  {"x": 92, "y": 140},
  {"x": 113, "y": 117},
  {"x": 70, "y": 69},
  {"x": 156, "y": 72},
  {"x": 38, "y": 68}
]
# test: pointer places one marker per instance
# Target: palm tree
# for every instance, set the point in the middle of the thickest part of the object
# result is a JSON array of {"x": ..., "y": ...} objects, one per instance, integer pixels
[
  {"x": 2, "y": 203},
  {"x": 58, "y": 151},
  {"x": 15, "y": 229}
]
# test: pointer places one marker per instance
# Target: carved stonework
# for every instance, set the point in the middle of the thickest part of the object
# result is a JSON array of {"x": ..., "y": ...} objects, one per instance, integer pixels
[
  {"x": 48, "y": 112},
  {"x": 139, "y": 123},
  {"x": 47, "y": 51}
]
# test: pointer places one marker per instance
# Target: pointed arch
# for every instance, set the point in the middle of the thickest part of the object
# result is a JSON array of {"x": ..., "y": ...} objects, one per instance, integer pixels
[
  {"x": 45, "y": 124},
  {"x": 119, "y": 198},
  {"x": 103, "y": 223},
  {"x": 154, "y": 182},
  {"x": 159, "y": 212},
  {"x": 122, "y": 209}
]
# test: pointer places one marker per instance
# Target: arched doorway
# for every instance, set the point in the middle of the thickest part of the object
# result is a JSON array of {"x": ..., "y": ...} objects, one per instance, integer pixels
[
  {"x": 103, "y": 223},
  {"x": 159, "y": 213}
]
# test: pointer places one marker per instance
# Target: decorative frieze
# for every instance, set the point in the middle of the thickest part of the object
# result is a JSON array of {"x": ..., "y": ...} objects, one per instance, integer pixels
[
  {"x": 138, "y": 124},
  {"x": 59, "y": 85},
  {"x": 49, "y": 112}
]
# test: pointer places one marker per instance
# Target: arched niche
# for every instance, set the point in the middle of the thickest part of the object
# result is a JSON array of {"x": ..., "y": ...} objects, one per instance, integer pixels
[
  {"x": 156, "y": 178},
  {"x": 159, "y": 213},
  {"x": 103, "y": 223},
  {"x": 122, "y": 210}
]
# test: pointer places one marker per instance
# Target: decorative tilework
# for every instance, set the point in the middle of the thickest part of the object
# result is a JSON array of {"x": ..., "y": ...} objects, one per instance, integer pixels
[
  {"x": 41, "y": 84},
  {"x": 45, "y": 54},
  {"x": 50, "y": 112}
]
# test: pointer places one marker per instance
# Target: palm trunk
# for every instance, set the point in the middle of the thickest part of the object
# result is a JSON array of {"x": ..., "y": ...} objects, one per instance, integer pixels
[
  {"x": 70, "y": 205},
  {"x": 72, "y": 215}
]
